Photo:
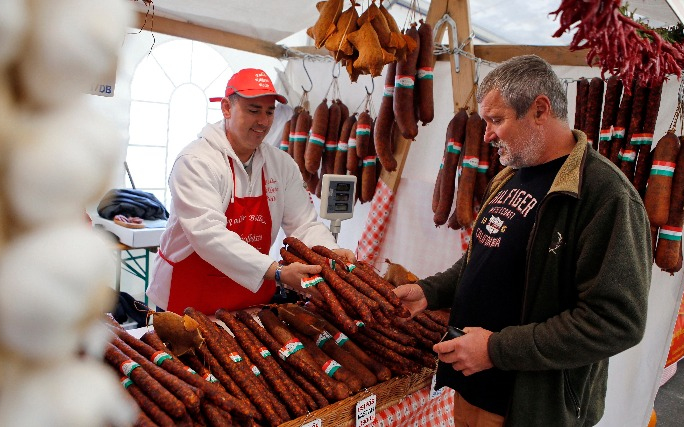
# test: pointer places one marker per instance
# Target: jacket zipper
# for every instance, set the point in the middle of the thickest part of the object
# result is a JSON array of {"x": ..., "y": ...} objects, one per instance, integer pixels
[{"x": 573, "y": 396}]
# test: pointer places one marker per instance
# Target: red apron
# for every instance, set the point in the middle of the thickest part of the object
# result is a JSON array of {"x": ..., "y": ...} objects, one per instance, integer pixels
[{"x": 196, "y": 283}]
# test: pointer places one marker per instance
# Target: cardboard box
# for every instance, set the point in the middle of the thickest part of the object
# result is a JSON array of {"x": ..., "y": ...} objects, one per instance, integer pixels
[{"x": 136, "y": 238}]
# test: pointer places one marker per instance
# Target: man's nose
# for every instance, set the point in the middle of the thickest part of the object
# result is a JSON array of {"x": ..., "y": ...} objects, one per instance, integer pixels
[{"x": 490, "y": 135}]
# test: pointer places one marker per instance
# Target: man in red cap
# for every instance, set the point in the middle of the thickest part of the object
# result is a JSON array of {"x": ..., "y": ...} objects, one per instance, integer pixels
[{"x": 231, "y": 194}]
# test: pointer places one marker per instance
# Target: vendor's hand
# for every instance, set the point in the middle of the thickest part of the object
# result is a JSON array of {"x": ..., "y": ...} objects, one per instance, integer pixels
[
  {"x": 346, "y": 254},
  {"x": 291, "y": 276},
  {"x": 467, "y": 353},
  {"x": 412, "y": 296}
]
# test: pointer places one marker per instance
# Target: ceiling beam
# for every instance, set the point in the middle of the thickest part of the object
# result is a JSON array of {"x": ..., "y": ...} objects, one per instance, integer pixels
[{"x": 190, "y": 31}]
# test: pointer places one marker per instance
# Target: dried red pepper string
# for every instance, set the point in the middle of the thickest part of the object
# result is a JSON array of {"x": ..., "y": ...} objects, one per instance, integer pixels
[{"x": 620, "y": 46}]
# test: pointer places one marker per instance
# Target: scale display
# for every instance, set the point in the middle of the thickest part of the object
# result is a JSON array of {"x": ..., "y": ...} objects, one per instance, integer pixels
[{"x": 337, "y": 196}]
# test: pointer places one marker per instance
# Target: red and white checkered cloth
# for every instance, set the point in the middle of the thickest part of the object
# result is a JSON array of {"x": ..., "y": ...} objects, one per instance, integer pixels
[
  {"x": 418, "y": 410},
  {"x": 376, "y": 223}
]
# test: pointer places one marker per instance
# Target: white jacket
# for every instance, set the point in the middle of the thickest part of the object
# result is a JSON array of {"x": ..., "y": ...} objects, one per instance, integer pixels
[{"x": 201, "y": 187}]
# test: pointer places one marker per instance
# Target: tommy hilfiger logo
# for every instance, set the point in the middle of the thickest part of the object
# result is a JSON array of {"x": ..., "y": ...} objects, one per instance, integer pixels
[{"x": 555, "y": 245}]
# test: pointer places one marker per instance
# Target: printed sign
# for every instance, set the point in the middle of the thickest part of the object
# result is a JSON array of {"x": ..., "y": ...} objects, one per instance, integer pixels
[{"x": 365, "y": 411}]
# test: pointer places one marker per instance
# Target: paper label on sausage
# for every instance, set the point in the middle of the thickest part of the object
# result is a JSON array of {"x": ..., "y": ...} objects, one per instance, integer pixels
[
  {"x": 189, "y": 369},
  {"x": 663, "y": 168},
  {"x": 126, "y": 382},
  {"x": 482, "y": 167},
  {"x": 235, "y": 357},
  {"x": 330, "y": 145},
  {"x": 627, "y": 155},
  {"x": 362, "y": 130},
  {"x": 263, "y": 351},
  {"x": 405, "y": 82},
  {"x": 670, "y": 233},
  {"x": 308, "y": 282},
  {"x": 317, "y": 139},
  {"x": 425, "y": 73},
  {"x": 470, "y": 162},
  {"x": 284, "y": 145},
  {"x": 300, "y": 137},
  {"x": 352, "y": 142},
  {"x": 389, "y": 91},
  {"x": 290, "y": 348},
  {"x": 256, "y": 370},
  {"x": 160, "y": 356},
  {"x": 360, "y": 324},
  {"x": 342, "y": 146},
  {"x": 369, "y": 161},
  {"x": 350, "y": 267},
  {"x": 340, "y": 338},
  {"x": 618, "y": 133},
  {"x": 210, "y": 378},
  {"x": 323, "y": 338},
  {"x": 454, "y": 147},
  {"x": 641, "y": 139},
  {"x": 331, "y": 263},
  {"x": 127, "y": 367},
  {"x": 605, "y": 134},
  {"x": 330, "y": 367}
]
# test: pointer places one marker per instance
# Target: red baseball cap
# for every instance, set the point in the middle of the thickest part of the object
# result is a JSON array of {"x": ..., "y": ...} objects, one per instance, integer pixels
[{"x": 251, "y": 83}]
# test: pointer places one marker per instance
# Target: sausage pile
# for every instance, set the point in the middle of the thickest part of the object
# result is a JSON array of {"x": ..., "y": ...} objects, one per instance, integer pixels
[
  {"x": 626, "y": 138},
  {"x": 265, "y": 368}
]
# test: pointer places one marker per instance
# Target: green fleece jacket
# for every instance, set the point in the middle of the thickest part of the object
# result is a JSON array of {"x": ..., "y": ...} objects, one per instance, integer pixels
[{"x": 586, "y": 291}]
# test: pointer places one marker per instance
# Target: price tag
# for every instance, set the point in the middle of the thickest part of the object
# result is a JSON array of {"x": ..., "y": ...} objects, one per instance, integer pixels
[
  {"x": 315, "y": 423},
  {"x": 365, "y": 411},
  {"x": 434, "y": 393}
]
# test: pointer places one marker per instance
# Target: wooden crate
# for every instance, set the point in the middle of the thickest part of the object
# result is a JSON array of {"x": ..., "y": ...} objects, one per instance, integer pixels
[{"x": 388, "y": 393}]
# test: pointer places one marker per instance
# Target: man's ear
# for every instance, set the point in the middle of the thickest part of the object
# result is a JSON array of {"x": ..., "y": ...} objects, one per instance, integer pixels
[
  {"x": 541, "y": 107},
  {"x": 225, "y": 108}
]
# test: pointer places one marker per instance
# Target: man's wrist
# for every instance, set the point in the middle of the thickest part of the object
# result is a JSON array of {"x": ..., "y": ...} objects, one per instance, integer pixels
[{"x": 277, "y": 274}]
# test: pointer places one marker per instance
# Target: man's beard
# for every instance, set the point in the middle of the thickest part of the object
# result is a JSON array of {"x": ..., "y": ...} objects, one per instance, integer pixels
[{"x": 528, "y": 153}]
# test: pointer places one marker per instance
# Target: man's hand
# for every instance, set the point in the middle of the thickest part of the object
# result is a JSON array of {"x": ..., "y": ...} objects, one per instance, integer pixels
[
  {"x": 468, "y": 353},
  {"x": 291, "y": 277},
  {"x": 412, "y": 296},
  {"x": 346, "y": 254}
]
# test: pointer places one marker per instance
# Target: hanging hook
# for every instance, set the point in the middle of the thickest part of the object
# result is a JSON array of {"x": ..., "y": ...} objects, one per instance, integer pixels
[
  {"x": 373, "y": 87},
  {"x": 339, "y": 69},
  {"x": 307, "y": 75}
]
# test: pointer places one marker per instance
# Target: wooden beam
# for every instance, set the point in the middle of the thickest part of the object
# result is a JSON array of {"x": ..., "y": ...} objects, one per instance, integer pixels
[
  {"x": 555, "y": 55},
  {"x": 208, "y": 35}
]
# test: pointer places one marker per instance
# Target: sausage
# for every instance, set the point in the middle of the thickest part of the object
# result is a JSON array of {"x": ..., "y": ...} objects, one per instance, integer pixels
[
  {"x": 272, "y": 372},
  {"x": 330, "y": 366},
  {"x": 438, "y": 184},
  {"x": 369, "y": 178},
  {"x": 237, "y": 369},
  {"x": 611, "y": 104},
  {"x": 378, "y": 349},
  {"x": 331, "y": 389},
  {"x": 187, "y": 394},
  {"x": 352, "y": 156},
  {"x": 581, "y": 103},
  {"x": 483, "y": 166},
  {"x": 466, "y": 185},
  {"x": 144, "y": 421},
  {"x": 629, "y": 152},
  {"x": 340, "y": 167},
  {"x": 151, "y": 387},
  {"x": 428, "y": 323},
  {"x": 395, "y": 335},
  {"x": 214, "y": 417},
  {"x": 313, "y": 396},
  {"x": 593, "y": 113},
  {"x": 645, "y": 139},
  {"x": 376, "y": 282},
  {"x": 382, "y": 135},
  {"x": 657, "y": 198},
  {"x": 406, "y": 351},
  {"x": 455, "y": 135},
  {"x": 404, "y": 81},
  {"x": 669, "y": 248},
  {"x": 293, "y": 128},
  {"x": 285, "y": 138},
  {"x": 299, "y": 141},
  {"x": 316, "y": 142},
  {"x": 426, "y": 58},
  {"x": 332, "y": 137},
  {"x": 156, "y": 415},
  {"x": 363, "y": 131},
  {"x": 621, "y": 126}
]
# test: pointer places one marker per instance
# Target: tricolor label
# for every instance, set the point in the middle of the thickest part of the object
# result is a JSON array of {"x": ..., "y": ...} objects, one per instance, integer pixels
[
  {"x": 330, "y": 145},
  {"x": 362, "y": 130},
  {"x": 330, "y": 367},
  {"x": 670, "y": 233},
  {"x": 605, "y": 134},
  {"x": 160, "y": 356},
  {"x": 627, "y": 155},
  {"x": 126, "y": 382},
  {"x": 128, "y": 366},
  {"x": 342, "y": 146},
  {"x": 235, "y": 357},
  {"x": 454, "y": 147},
  {"x": 311, "y": 281},
  {"x": 642, "y": 139},
  {"x": 264, "y": 352},
  {"x": 471, "y": 162},
  {"x": 323, "y": 338},
  {"x": 369, "y": 161},
  {"x": 663, "y": 168},
  {"x": 331, "y": 263},
  {"x": 317, "y": 139},
  {"x": 389, "y": 91},
  {"x": 340, "y": 338},
  {"x": 256, "y": 370},
  {"x": 352, "y": 142},
  {"x": 405, "y": 82},
  {"x": 618, "y": 132},
  {"x": 284, "y": 145},
  {"x": 299, "y": 137},
  {"x": 425, "y": 73},
  {"x": 482, "y": 167},
  {"x": 290, "y": 348},
  {"x": 208, "y": 377}
]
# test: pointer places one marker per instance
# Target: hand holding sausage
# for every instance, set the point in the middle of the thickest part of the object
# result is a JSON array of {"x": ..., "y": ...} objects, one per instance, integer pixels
[
  {"x": 291, "y": 275},
  {"x": 346, "y": 254},
  {"x": 412, "y": 297},
  {"x": 468, "y": 353}
]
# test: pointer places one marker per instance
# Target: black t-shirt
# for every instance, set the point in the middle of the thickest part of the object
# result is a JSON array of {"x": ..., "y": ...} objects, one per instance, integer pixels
[{"x": 491, "y": 290}]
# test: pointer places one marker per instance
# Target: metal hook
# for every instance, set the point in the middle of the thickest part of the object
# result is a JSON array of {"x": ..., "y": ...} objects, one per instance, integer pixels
[
  {"x": 339, "y": 69},
  {"x": 307, "y": 75},
  {"x": 477, "y": 70},
  {"x": 373, "y": 87}
]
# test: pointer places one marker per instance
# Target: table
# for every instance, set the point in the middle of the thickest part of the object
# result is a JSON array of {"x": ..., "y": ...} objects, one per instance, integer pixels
[{"x": 132, "y": 264}]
